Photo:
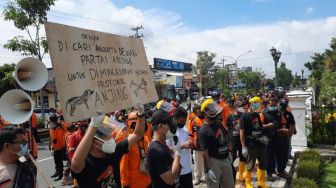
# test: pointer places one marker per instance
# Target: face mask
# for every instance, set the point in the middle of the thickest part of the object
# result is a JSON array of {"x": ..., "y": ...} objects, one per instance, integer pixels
[
  {"x": 255, "y": 106},
  {"x": 271, "y": 108},
  {"x": 240, "y": 109},
  {"x": 180, "y": 125},
  {"x": 24, "y": 150},
  {"x": 282, "y": 108},
  {"x": 108, "y": 146}
]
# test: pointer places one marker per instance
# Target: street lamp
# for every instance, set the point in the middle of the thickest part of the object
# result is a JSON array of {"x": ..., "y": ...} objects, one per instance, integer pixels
[
  {"x": 276, "y": 54},
  {"x": 235, "y": 63}
]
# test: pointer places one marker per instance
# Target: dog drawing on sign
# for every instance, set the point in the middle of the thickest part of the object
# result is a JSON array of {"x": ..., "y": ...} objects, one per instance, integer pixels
[
  {"x": 142, "y": 85},
  {"x": 76, "y": 101}
]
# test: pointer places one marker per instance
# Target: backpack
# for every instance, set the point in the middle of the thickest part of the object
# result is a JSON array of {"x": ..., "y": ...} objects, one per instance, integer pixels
[{"x": 24, "y": 175}]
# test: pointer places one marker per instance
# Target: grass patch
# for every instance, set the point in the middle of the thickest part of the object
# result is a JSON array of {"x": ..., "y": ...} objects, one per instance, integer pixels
[{"x": 328, "y": 178}]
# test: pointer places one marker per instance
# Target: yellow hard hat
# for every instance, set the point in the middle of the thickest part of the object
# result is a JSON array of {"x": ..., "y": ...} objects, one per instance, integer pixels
[
  {"x": 211, "y": 108},
  {"x": 255, "y": 100}
]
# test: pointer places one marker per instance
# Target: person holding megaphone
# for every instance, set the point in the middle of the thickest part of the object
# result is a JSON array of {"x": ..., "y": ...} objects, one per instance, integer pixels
[{"x": 96, "y": 161}]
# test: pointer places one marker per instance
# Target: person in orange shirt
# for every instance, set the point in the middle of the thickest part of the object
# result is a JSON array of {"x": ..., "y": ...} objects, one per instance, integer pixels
[
  {"x": 30, "y": 140},
  {"x": 34, "y": 127},
  {"x": 133, "y": 170},
  {"x": 57, "y": 145},
  {"x": 194, "y": 127}
]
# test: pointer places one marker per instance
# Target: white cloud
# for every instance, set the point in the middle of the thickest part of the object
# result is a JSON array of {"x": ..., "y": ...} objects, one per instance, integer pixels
[
  {"x": 309, "y": 10},
  {"x": 166, "y": 36}
]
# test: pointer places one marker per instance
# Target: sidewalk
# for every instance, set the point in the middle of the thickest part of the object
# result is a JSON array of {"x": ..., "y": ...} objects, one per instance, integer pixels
[{"x": 278, "y": 183}]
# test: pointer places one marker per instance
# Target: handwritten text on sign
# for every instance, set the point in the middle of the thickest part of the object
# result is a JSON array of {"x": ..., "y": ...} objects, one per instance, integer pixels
[{"x": 97, "y": 71}]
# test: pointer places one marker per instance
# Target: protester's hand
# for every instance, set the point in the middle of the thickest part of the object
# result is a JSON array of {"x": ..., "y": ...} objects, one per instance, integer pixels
[
  {"x": 211, "y": 175},
  {"x": 187, "y": 145},
  {"x": 97, "y": 121},
  {"x": 52, "y": 152},
  {"x": 140, "y": 108},
  {"x": 294, "y": 130},
  {"x": 244, "y": 151}
]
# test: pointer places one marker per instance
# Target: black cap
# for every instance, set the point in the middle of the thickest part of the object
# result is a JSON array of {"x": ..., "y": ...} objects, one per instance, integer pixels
[{"x": 160, "y": 116}]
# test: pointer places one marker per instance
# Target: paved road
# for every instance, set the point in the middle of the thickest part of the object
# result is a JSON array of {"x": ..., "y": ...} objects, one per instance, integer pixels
[{"x": 46, "y": 164}]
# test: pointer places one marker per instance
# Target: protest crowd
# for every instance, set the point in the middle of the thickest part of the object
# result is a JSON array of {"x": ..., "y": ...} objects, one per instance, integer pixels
[{"x": 164, "y": 146}]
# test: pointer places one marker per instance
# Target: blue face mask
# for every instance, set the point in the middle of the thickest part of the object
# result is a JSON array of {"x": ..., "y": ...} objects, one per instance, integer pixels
[
  {"x": 271, "y": 108},
  {"x": 24, "y": 150},
  {"x": 255, "y": 106}
]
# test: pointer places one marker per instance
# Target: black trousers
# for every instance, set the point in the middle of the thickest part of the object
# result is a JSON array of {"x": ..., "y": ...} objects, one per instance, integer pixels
[
  {"x": 36, "y": 136},
  {"x": 58, "y": 160},
  {"x": 282, "y": 143},
  {"x": 186, "y": 181}
]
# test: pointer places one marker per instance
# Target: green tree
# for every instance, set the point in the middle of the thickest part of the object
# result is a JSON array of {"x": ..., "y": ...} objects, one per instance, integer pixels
[
  {"x": 28, "y": 15},
  {"x": 221, "y": 79},
  {"x": 7, "y": 80},
  {"x": 296, "y": 81},
  {"x": 285, "y": 76},
  {"x": 322, "y": 77},
  {"x": 205, "y": 67},
  {"x": 252, "y": 80}
]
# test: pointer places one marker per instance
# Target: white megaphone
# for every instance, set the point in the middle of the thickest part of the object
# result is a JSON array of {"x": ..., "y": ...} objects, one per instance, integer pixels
[
  {"x": 16, "y": 106},
  {"x": 31, "y": 74}
]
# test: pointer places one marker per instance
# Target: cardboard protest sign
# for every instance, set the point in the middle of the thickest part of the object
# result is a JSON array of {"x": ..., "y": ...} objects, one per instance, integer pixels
[{"x": 97, "y": 71}]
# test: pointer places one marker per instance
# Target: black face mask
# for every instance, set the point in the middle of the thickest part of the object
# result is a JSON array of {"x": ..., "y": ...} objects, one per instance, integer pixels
[{"x": 180, "y": 125}]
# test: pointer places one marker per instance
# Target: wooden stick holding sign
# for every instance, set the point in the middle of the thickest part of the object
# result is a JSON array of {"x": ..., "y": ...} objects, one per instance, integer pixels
[{"x": 98, "y": 71}]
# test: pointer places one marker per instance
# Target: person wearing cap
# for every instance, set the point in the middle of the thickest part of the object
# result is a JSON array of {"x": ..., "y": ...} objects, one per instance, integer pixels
[
  {"x": 284, "y": 136},
  {"x": 233, "y": 126},
  {"x": 253, "y": 143},
  {"x": 57, "y": 145},
  {"x": 96, "y": 161},
  {"x": 194, "y": 127},
  {"x": 133, "y": 172},
  {"x": 164, "y": 168},
  {"x": 214, "y": 142},
  {"x": 271, "y": 115},
  {"x": 178, "y": 120},
  {"x": 226, "y": 105}
]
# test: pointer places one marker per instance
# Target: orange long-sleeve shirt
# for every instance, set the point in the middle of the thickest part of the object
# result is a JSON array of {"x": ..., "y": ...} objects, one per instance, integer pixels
[{"x": 130, "y": 167}]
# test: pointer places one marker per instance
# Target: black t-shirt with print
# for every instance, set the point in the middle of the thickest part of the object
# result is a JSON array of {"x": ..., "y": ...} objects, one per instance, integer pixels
[
  {"x": 102, "y": 172},
  {"x": 215, "y": 139},
  {"x": 252, "y": 132},
  {"x": 159, "y": 161},
  {"x": 234, "y": 127}
]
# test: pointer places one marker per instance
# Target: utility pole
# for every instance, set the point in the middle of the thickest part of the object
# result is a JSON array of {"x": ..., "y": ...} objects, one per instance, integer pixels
[
  {"x": 136, "y": 30},
  {"x": 223, "y": 61}
]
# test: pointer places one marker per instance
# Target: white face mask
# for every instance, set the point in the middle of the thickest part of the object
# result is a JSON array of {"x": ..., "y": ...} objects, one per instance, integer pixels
[
  {"x": 108, "y": 146},
  {"x": 240, "y": 109}
]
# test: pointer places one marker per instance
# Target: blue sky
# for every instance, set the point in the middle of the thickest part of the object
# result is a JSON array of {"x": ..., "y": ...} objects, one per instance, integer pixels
[
  {"x": 178, "y": 29},
  {"x": 218, "y": 13}
]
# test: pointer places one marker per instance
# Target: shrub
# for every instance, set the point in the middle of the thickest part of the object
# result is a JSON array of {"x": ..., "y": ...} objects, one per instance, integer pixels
[
  {"x": 304, "y": 183},
  {"x": 311, "y": 155},
  {"x": 40, "y": 123},
  {"x": 309, "y": 169}
]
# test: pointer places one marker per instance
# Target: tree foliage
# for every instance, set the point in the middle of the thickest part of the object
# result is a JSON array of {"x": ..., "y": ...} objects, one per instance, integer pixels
[
  {"x": 252, "y": 80},
  {"x": 285, "y": 76},
  {"x": 28, "y": 15},
  {"x": 205, "y": 65},
  {"x": 323, "y": 74},
  {"x": 7, "y": 80}
]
